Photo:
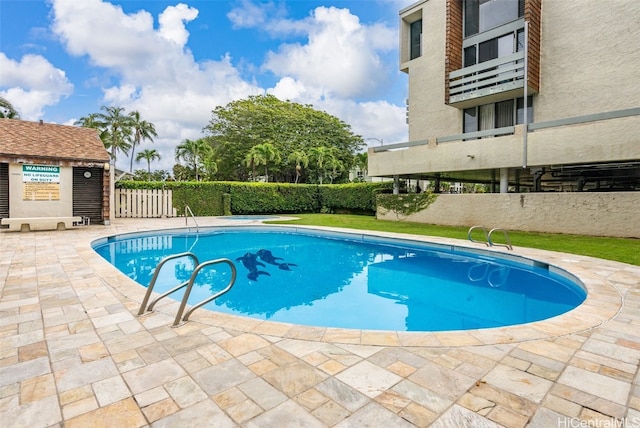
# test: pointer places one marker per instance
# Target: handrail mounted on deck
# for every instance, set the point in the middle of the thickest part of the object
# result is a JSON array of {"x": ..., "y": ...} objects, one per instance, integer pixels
[
  {"x": 487, "y": 236},
  {"x": 155, "y": 278},
  {"x": 484, "y": 230},
  {"x": 208, "y": 299}
]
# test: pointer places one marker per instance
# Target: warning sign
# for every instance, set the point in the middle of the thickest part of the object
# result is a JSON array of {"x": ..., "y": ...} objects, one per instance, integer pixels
[{"x": 41, "y": 183}]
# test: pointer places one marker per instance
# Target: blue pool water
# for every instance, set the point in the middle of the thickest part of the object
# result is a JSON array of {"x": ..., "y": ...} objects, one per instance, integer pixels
[{"x": 333, "y": 279}]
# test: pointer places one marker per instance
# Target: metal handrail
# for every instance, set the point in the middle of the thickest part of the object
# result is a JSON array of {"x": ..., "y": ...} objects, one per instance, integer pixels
[
  {"x": 187, "y": 210},
  {"x": 506, "y": 237},
  {"x": 486, "y": 235},
  {"x": 207, "y": 300},
  {"x": 155, "y": 277}
]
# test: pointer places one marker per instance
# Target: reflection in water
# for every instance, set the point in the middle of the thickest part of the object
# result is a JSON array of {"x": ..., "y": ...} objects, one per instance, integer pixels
[
  {"x": 444, "y": 292},
  {"x": 315, "y": 280}
]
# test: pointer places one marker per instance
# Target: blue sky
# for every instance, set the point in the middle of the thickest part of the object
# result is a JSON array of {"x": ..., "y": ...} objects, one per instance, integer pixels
[{"x": 175, "y": 62}]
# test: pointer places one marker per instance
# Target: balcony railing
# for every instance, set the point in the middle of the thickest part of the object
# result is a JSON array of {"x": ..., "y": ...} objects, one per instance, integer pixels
[
  {"x": 488, "y": 78},
  {"x": 508, "y": 130}
]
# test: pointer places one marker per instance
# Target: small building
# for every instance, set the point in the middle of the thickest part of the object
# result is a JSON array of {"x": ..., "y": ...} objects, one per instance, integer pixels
[{"x": 50, "y": 170}]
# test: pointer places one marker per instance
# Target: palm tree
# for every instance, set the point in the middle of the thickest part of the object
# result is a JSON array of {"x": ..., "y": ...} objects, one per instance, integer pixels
[
  {"x": 335, "y": 166},
  {"x": 116, "y": 130},
  {"x": 149, "y": 155},
  {"x": 90, "y": 121},
  {"x": 210, "y": 168},
  {"x": 7, "y": 111},
  {"x": 301, "y": 159},
  {"x": 142, "y": 130},
  {"x": 194, "y": 152},
  {"x": 362, "y": 163},
  {"x": 322, "y": 156},
  {"x": 262, "y": 154}
]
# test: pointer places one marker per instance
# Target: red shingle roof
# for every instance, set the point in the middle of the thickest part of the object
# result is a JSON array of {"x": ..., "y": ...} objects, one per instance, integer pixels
[{"x": 47, "y": 140}]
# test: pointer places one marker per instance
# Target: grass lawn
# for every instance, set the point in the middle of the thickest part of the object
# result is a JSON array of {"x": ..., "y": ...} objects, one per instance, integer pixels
[{"x": 626, "y": 250}]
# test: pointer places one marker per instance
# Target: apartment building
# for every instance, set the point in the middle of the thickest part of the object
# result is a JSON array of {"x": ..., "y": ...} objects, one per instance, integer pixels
[{"x": 522, "y": 95}]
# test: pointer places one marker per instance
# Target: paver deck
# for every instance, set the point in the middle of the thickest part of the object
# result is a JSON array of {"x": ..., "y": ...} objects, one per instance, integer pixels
[{"x": 73, "y": 353}]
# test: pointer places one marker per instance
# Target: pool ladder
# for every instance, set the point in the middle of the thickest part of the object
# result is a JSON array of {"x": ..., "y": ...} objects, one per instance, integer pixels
[
  {"x": 487, "y": 236},
  {"x": 188, "y": 284}
]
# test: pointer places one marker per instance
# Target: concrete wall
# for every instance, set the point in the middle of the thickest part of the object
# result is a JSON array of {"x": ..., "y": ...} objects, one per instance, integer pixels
[
  {"x": 29, "y": 208},
  {"x": 598, "y": 214},
  {"x": 602, "y": 141}
]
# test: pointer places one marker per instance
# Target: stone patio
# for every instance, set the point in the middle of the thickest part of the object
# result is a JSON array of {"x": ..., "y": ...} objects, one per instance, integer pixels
[{"x": 73, "y": 353}]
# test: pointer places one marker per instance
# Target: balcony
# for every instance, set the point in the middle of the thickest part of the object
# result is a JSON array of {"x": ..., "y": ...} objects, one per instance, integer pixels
[{"x": 495, "y": 80}]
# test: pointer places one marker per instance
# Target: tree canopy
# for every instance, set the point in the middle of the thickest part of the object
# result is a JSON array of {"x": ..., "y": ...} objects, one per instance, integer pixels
[
  {"x": 198, "y": 156},
  {"x": 7, "y": 111},
  {"x": 256, "y": 138},
  {"x": 294, "y": 130}
]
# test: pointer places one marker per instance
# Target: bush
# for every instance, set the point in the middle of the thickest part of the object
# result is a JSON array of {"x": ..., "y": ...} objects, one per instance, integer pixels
[
  {"x": 351, "y": 197},
  {"x": 224, "y": 198}
]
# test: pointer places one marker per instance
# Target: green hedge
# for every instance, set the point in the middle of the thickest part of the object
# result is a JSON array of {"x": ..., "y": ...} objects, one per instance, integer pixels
[
  {"x": 225, "y": 198},
  {"x": 358, "y": 197}
]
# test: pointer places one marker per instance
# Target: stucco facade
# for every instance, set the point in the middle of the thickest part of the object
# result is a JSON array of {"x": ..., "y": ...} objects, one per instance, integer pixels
[{"x": 590, "y": 58}]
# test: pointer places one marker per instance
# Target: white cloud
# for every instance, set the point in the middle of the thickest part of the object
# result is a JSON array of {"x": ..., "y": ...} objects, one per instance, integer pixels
[
  {"x": 342, "y": 56},
  {"x": 157, "y": 75},
  {"x": 172, "y": 22},
  {"x": 103, "y": 32},
  {"x": 247, "y": 15},
  {"x": 289, "y": 88},
  {"x": 374, "y": 119},
  {"x": 151, "y": 68},
  {"x": 32, "y": 84}
]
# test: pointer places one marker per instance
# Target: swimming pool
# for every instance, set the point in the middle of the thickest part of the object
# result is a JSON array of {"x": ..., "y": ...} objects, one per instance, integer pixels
[{"x": 347, "y": 280}]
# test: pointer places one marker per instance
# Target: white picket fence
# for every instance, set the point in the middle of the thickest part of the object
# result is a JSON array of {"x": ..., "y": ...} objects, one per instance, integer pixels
[{"x": 144, "y": 203}]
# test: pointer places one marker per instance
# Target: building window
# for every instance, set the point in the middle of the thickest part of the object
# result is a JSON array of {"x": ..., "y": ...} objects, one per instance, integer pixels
[
  {"x": 483, "y": 15},
  {"x": 497, "y": 47},
  {"x": 520, "y": 110},
  {"x": 496, "y": 115},
  {"x": 470, "y": 120},
  {"x": 415, "y": 36}
]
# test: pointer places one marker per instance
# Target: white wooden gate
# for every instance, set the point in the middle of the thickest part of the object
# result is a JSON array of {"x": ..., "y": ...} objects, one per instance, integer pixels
[{"x": 144, "y": 203}]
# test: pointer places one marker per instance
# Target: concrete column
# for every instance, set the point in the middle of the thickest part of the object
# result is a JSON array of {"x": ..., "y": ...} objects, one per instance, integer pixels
[
  {"x": 396, "y": 184},
  {"x": 504, "y": 180}
]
